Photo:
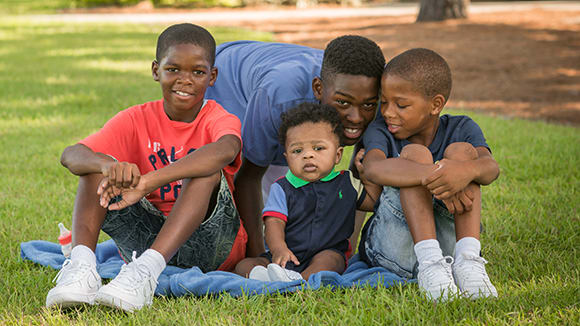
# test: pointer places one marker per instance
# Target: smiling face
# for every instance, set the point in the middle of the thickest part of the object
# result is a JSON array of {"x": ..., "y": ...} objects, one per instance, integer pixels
[
  {"x": 184, "y": 74},
  {"x": 408, "y": 113},
  {"x": 355, "y": 98},
  {"x": 312, "y": 150}
]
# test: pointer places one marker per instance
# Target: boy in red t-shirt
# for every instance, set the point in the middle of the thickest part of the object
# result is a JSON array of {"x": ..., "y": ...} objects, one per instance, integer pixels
[{"x": 157, "y": 178}]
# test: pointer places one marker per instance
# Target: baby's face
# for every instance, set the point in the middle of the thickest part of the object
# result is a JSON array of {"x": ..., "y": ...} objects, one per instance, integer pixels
[
  {"x": 312, "y": 150},
  {"x": 407, "y": 112}
]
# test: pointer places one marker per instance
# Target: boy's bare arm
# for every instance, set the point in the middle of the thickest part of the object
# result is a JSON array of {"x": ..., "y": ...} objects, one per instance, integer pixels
[
  {"x": 203, "y": 162},
  {"x": 81, "y": 160},
  {"x": 452, "y": 176},
  {"x": 395, "y": 172},
  {"x": 248, "y": 197},
  {"x": 275, "y": 238}
]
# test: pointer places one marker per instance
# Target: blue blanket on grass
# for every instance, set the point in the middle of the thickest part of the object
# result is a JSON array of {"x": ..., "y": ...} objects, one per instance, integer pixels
[{"x": 175, "y": 281}]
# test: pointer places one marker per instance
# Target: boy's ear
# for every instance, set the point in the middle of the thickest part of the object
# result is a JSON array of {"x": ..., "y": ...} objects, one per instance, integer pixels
[
  {"x": 317, "y": 88},
  {"x": 437, "y": 104},
  {"x": 213, "y": 75},
  {"x": 155, "y": 70},
  {"x": 339, "y": 154}
]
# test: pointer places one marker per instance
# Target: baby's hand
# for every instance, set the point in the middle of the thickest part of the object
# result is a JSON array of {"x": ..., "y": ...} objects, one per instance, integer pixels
[
  {"x": 449, "y": 178},
  {"x": 122, "y": 175},
  {"x": 282, "y": 256}
]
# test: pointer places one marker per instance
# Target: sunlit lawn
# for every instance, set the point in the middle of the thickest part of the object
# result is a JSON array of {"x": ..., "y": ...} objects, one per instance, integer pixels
[{"x": 61, "y": 82}]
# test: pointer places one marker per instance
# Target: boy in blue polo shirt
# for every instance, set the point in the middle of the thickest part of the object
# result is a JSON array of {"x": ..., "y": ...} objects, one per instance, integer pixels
[
  {"x": 260, "y": 80},
  {"x": 310, "y": 212},
  {"x": 432, "y": 168}
]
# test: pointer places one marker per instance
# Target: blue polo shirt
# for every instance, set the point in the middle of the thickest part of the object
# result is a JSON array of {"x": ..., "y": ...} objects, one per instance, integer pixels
[
  {"x": 257, "y": 81},
  {"x": 319, "y": 215},
  {"x": 452, "y": 129}
]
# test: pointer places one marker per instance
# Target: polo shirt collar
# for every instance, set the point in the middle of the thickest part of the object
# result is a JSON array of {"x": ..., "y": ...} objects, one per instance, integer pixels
[{"x": 296, "y": 182}]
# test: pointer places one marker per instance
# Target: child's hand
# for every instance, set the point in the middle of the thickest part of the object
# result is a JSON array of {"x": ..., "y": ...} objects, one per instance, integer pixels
[
  {"x": 129, "y": 196},
  {"x": 459, "y": 203},
  {"x": 281, "y": 256},
  {"x": 358, "y": 163},
  {"x": 122, "y": 174},
  {"x": 448, "y": 179}
]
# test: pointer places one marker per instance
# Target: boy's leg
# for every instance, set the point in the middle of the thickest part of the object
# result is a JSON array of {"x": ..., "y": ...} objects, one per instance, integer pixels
[
  {"x": 326, "y": 260},
  {"x": 78, "y": 280},
  {"x": 171, "y": 240},
  {"x": 469, "y": 267},
  {"x": 188, "y": 212},
  {"x": 417, "y": 202},
  {"x": 434, "y": 271}
]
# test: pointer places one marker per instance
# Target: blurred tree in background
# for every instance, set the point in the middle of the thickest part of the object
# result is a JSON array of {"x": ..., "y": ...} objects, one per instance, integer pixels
[{"x": 435, "y": 10}]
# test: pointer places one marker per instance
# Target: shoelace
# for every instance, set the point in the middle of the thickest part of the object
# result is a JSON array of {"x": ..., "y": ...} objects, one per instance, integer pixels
[
  {"x": 76, "y": 268},
  {"x": 132, "y": 274},
  {"x": 476, "y": 268}
]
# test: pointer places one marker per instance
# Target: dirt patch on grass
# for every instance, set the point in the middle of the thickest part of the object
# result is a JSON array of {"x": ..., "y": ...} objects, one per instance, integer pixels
[{"x": 516, "y": 64}]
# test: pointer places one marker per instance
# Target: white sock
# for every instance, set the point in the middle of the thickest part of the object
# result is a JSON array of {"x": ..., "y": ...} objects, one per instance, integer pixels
[
  {"x": 153, "y": 260},
  {"x": 84, "y": 253},
  {"x": 468, "y": 246},
  {"x": 427, "y": 250}
]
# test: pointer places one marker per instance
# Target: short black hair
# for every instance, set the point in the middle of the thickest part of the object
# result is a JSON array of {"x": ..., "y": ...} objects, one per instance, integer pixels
[
  {"x": 352, "y": 55},
  {"x": 310, "y": 112},
  {"x": 185, "y": 34},
  {"x": 425, "y": 69}
]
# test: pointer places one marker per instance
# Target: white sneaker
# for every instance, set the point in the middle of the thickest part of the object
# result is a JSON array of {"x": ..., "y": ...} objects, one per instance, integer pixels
[
  {"x": 436, "y": 280},
  {"x": 132, "y": 289},
  {"x": 472, "y": 278},
  {"x": 77, "y": 283},
  {"x": 259, "y": 273},
  {"x": 278, "y": 273}
]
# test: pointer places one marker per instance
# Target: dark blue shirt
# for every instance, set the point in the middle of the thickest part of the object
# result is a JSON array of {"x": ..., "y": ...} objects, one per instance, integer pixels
[
  {"x": 452, "y": 129},
  {"x": 319, "y": 215},
  {"x": 258, "y": 81}
]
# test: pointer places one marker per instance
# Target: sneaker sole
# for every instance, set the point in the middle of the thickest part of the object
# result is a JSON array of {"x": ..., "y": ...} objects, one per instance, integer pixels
[
  {"x": 67, "y": 299},
  {"x": 259, "y": 274},
  {"x": 110, "y": 300}
]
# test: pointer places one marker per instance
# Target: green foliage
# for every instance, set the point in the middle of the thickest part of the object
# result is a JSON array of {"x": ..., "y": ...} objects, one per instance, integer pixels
[
  {"x": 102, "y": 3},
  {"x": 19, "y": 7},
  {"x": 196, "y": 3},
  {"x": 61, "y": 82}
]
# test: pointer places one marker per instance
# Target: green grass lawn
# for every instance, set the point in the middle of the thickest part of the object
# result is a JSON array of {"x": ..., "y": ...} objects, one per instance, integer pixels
[{"x": 61, "y": 82}]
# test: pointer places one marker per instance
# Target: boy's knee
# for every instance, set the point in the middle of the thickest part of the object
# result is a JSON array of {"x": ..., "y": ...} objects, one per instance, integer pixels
[
  {"x": 417, "y": 153},
  {"x": 460, "y": 152}
]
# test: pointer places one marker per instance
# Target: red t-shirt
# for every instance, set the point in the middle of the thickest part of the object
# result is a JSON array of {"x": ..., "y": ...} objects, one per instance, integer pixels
[{"x": 144, "y": 135}]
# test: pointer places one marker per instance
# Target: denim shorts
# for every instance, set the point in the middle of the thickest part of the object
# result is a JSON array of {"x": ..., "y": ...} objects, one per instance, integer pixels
[
  {"x": 135, "y": 228},
  {"x": 387, "y": 242}
]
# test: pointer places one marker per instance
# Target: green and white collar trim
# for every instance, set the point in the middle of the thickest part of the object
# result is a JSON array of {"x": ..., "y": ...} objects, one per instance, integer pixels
[{"x": 296, "y": 182}]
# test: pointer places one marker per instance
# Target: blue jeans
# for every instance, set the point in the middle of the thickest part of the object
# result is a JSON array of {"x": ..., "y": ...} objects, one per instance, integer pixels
[
  {"x": 135, "y": 228},
  {"x": 386, "y": 240}
]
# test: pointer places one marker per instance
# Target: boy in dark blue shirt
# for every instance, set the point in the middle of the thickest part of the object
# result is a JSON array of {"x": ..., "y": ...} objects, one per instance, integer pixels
[
  {"x": 310, "y": 212},
  {"x": 432, "y": 167}
]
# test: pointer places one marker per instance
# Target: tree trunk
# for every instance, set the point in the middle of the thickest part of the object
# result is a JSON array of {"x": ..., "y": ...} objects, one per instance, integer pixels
[{"x": 437, "y": 10}]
